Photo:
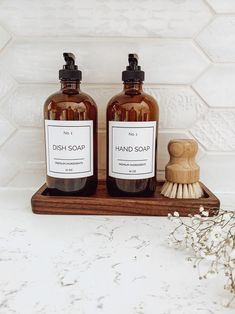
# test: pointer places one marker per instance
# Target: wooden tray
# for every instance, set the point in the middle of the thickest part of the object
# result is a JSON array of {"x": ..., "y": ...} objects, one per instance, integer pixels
[{"x": 103, "y": 204}]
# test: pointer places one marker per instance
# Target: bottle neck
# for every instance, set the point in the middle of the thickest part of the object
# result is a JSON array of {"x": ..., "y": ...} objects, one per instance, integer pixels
[
  {"x": 133, "y": 87},
  {"x": 70, "y": 86}
]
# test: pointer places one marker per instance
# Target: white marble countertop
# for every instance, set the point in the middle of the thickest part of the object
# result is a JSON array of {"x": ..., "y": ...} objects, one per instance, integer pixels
[{"x": 94, "y": 264}]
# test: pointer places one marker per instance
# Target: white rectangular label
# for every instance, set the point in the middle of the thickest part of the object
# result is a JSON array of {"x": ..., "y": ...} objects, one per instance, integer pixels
[
  {"x": 69, "y": 148},
  {"x": 132, "y": 148}
]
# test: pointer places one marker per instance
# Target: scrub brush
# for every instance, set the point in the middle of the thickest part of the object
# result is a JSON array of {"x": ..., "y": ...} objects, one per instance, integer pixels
[{"x": 182, "y": 172}]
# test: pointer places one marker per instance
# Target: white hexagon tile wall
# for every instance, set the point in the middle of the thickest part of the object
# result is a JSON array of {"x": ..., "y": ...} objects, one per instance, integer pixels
[{"x": 186, "y": 47}]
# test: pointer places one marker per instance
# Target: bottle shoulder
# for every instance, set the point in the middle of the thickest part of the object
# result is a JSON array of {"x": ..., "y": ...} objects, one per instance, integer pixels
[
  {"x": 150, "y": 98},
  {"x": 61, "y": 97},
  {"x": 127, "y": 106},
  {"x": 87, "y": 97},
  {"x": 123, "y": 99}
]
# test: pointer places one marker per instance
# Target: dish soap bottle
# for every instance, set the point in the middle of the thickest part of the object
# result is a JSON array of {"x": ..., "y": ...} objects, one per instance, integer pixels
[
  {"x": 71, "y": 136},
  {"x": 132, "y": 124}
]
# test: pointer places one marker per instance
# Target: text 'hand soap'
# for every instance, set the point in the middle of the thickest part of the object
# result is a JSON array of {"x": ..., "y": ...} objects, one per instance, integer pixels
[
  {"x": 71, "y": 136},
  {"x": 132, "y": 124}
]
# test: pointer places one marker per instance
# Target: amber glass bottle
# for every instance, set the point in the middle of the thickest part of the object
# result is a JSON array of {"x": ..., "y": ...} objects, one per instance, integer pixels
[
  {"x": 132, "y": 124},
  {"x": 71, "y": 136}
]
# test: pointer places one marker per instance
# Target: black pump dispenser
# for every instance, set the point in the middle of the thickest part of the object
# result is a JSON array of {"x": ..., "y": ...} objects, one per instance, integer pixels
[
  {"x": 70, "y": 70},
  {"x": 133, "y": 71}
]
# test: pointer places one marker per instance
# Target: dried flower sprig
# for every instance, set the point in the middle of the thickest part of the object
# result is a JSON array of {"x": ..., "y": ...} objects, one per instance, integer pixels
[{"x": 211, "y": 241}]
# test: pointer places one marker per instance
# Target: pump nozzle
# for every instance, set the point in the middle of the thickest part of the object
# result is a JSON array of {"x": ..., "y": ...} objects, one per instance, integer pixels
[
  {"x": 70, "y": 69},
  {"x": 133, "y": 70},
  {"x": 133, "y": 61},
  {"x": 70, "y": 61}
]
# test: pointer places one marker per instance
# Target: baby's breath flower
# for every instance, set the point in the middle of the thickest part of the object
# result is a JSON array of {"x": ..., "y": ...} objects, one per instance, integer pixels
[
  {"x": 210, "y": 239},
  {"x": 210, "y": 257},
  {"x": 225, "y": 302},
  {"x": 170, "y": 217},
  {"x": 227, "y": 217},
  {"x": 205, "y": 213},
  {"x": 232, "y": 254},
  {"x": 201, "y": 209}
]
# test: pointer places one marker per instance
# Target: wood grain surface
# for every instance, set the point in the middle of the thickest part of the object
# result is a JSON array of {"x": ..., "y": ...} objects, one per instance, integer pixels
[{"x": 103, "y": 204}]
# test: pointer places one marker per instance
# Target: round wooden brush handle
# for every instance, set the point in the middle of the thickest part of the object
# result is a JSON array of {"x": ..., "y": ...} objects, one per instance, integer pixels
[{"x": 182, "y": 167}]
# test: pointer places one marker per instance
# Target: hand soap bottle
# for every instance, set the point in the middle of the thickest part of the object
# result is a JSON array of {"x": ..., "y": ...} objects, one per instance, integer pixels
[
  {"x": 70, "y": 118},
  {"x": 132, "y": 124}
]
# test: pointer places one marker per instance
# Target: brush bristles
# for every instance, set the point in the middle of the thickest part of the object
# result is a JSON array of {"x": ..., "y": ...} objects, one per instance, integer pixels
[{"x": 178, "y": 190}]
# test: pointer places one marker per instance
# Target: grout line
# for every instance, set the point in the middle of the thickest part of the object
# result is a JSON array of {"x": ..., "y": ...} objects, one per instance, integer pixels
[
  {"x": 7, "y": 45},
  {"x": 10, "y": 188},
  {"x": 202, "y": 73},
  {"x": 220, "y": 153},
  {"x": 9, "y": 137},
  {"x": 156, "y": 85},
  {"x": 80, "y": 38},
  {"x": 12, "y": 35},
  {"x": 201, "y": 148},
  {"x": 202, "y": 50},
  {"x": 213, "y": 17},
  {"x": 173, "y": 130},
  {"x": 113, "y": 84},
  {"x": 14, "y": 176},
  {"x": 195, "y": 39},
  {"x": 201, "y": 97},
  {"x": 207, "y": 151},
  {"x": 103, "y": 84},
  {"x": 222, "y": 109},
  {"x": 217, "y": 62},
  {"x": 214, "y": 62},
  {"x": 225, "y": 14},
  {"x": 10, "y": 92},
  {"x": 8, "y": 42},
  {"x": 210, "y": 7},
  {"x": 204, "y": 149},
  {"x": 210, "y": 62},
  {"x": 212, "y": 108},
  {"x": 195, "y": 123}
]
